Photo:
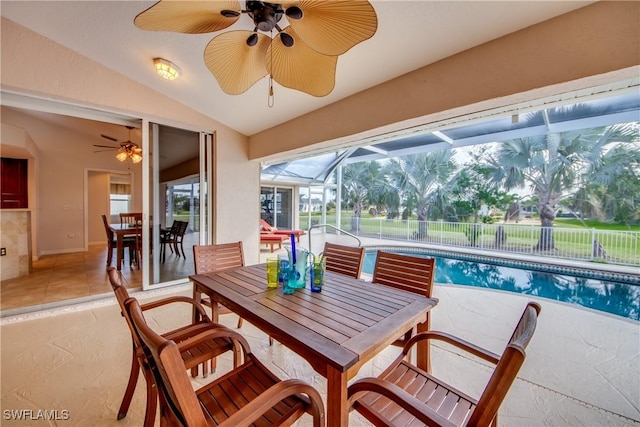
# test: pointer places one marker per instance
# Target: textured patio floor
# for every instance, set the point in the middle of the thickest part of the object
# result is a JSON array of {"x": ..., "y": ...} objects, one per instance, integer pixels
[{"x": 582, "y": 369}]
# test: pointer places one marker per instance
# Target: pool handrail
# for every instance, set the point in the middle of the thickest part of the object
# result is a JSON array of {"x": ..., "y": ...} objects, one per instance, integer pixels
[{"x": 335, "y": 228}]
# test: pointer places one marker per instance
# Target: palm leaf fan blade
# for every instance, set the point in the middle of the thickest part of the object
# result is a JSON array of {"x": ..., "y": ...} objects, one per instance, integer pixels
[
  {"x": 189, "y": 17},
  {"x": 301, "y": 68},
  {"x": 334, "y": 27},
  {"x": 236, "y": 65}
]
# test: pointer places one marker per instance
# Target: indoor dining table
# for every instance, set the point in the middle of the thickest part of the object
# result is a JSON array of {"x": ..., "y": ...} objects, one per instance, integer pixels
[
  {"x": 121, "y": 231},
  {"x": 336, "y": 330}
]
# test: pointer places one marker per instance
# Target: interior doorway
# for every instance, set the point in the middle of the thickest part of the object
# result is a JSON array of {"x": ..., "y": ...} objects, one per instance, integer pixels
[{"x": 106, "y": 193}]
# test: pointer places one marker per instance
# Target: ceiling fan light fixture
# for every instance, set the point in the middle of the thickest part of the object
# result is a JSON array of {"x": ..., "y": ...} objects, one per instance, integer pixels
[
  {"x": 287, "y": 40},
  {"x": 136, "y": 158},
  {"x": 166, "y": 69},
  {"x": 294, "y": 12},
  {"x": 252, "y": 40},
  {"x": 122, "y": 155}
]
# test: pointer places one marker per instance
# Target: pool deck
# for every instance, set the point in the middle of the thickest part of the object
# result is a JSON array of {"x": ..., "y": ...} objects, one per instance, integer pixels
[{"x": 582, "y": 366}]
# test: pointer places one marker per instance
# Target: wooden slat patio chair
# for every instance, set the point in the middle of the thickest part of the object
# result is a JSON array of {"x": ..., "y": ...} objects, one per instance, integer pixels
[
  {"x": 248, "y": 395},
  {"x": 342, "y": 259},
  {"x": 409, "y": 273},
  {"x": 192, "y": 355},
  {"x": 214, "y": 258},
  {"x": 405, "y": 395}
]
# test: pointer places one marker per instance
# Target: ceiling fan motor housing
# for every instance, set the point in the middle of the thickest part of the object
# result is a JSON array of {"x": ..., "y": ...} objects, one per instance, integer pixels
[{"x": 265, "y": 15}]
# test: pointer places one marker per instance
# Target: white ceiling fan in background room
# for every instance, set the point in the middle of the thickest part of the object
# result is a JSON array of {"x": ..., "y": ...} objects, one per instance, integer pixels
[
  {"x": 126, "y": 150},
  {"x": 295, "y": 42}
]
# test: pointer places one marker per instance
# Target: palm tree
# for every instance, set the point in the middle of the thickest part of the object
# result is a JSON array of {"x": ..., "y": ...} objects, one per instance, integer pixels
[
  {"x": 555, "y": 165},
  {"x": 614, "y": 184},
  {"x": 425, "y": 180},
  {"x": 360, "y": 182}
]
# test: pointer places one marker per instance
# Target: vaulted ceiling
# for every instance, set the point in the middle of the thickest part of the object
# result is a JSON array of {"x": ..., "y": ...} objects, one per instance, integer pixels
[{"x": 410, "y": 35}]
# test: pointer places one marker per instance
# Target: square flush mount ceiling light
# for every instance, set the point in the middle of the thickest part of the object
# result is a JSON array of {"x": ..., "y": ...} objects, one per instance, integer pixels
[{"x": 166, "y": 69}]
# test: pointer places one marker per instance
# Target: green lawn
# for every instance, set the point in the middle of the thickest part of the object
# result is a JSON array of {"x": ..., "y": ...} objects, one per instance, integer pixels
[
  {"x": 620, "y": 244},
  {"x": 575, "y": 223}
]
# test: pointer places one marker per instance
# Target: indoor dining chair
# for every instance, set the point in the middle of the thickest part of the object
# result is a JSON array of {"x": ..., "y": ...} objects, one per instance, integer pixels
[
  {"x": 131, "y": 218},
  {"x": 192, "y": 353},
  {"x": 409, "y": 273},
  {"x": 112, "y": 244},
  {"x": 342, "y": 259},
  {"x": 405, "y": 395},
  {"x": 248, "y": 395}
]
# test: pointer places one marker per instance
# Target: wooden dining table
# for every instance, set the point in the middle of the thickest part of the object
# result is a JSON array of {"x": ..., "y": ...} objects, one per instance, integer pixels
[
  {"x": 121, "y": 231},
  {"x": 336, "y": 330}
]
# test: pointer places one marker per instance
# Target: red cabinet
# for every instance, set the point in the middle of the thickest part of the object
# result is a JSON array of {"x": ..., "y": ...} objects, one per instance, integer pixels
[{"x": 13, "y": 184}]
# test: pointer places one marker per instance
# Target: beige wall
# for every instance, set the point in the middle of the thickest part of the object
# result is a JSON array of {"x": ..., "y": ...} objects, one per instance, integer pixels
[
  {"x": 34, "y": 65},
  {"x": 572, "y": 51},
  {"x": 234, "y": 219}
]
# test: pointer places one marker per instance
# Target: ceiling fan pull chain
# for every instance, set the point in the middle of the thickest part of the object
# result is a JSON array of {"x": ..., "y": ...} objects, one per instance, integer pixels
[{"x": 271, "y": 99}]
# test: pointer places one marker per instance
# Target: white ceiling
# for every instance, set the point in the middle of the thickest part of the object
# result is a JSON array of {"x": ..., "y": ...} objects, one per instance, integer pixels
[{"x": 411, "y": 34}]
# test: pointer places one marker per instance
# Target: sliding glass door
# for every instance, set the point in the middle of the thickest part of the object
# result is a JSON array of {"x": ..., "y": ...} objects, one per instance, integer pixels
[
  {"x": 277, "y": 206},
  {"x": 178, "y": 202}
]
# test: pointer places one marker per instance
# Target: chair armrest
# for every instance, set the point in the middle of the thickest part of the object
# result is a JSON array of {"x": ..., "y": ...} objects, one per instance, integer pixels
[
  {"x": 403, "y": 399},
  {"x": 170, "y": 300},
  {"x": 255, "y": 409},
  {"x": 212, "y": 331},
  {"x": 455, "y": 341}
]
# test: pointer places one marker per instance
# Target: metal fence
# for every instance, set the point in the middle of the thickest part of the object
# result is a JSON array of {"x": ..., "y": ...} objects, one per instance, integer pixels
[{"x": 613, "y": 247}]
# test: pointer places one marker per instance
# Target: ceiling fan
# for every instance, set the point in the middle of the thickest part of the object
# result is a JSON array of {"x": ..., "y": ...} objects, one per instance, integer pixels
[
  {"x": 127, "y": 149},
  {"x": 301, "y": 56}
]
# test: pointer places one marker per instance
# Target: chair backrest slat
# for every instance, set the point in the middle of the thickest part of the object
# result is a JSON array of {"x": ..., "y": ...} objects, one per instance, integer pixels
[
  {"x": 342, "y": 259},
  {"x": 122, "y": 296},
  {"x": 181, "y": 228},
  {"x": 130, "y": 217},
  {"x": 212, "y": 258},
  {"x": 410, "y": 273}
]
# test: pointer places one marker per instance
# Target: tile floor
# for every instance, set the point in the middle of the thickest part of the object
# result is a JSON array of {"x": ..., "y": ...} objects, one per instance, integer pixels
[
  {"x": 583, "y": 367},
  {"x": 63, "y": 277}
]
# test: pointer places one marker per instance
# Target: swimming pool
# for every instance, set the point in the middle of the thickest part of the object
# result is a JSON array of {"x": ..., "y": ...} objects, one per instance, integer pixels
[{"x": 607, "y": 292}]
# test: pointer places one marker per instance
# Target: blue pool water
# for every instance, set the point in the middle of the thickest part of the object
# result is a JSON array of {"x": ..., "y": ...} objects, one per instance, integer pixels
[{"x": 621, "y": 299}]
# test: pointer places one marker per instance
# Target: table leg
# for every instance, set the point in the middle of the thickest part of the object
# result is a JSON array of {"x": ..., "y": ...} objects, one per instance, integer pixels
[
  {"x": 337, "y": 410},
  {"x": 120, "y": 250},
  {"x": 197, "y": 296}
]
